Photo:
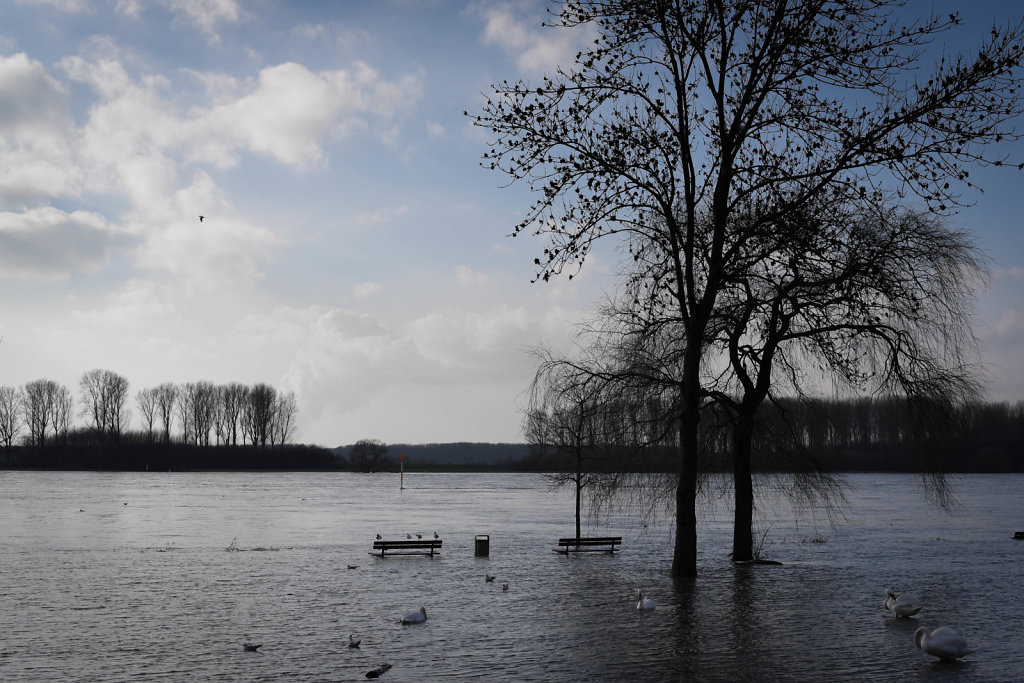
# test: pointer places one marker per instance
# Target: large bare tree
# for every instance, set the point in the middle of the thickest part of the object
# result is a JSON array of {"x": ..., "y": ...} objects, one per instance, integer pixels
[{"x": 684, "y": 113}]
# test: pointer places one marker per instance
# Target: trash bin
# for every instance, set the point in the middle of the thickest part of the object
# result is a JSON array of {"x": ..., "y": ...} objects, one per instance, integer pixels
[{"x": 483, "y": 545}]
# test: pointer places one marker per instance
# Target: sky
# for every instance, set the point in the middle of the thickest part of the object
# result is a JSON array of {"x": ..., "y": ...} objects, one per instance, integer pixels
[{"x": 353, "y": 250}]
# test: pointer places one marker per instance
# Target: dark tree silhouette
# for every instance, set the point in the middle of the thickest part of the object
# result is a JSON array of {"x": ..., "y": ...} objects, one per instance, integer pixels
[
  {"x": 684, "y": 114},
  {"x": 104, "y": 394},
  {"x": 366, "y": 455}
]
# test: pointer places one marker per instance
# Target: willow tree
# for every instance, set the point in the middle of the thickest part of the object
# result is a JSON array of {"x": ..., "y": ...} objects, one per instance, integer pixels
[
  {"x": 688, "y": 109},
  {"x": 870, "y": 297}
]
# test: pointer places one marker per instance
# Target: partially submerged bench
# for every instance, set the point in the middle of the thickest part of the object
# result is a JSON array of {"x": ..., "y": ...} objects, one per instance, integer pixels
[
  {"x": 426, "y": 546},
  {"x": 587, "y": 544}
]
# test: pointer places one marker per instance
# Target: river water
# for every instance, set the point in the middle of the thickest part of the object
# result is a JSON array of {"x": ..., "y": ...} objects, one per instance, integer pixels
[{"x": 163, "y": 576}]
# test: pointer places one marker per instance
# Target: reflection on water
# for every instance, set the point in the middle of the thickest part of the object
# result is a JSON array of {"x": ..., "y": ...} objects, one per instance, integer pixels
[{"x": 169, "y": 586}]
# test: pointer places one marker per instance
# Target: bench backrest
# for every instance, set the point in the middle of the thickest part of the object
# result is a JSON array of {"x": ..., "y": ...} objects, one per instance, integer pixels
[
  {"x": 424, "y": 543},
  {"x": 592, "y": 540}
]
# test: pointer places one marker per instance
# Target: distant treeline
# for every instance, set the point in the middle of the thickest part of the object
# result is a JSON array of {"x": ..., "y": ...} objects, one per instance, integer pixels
[
  {"x": 858, "y": 435},
  {"x": 842, "y": 435}
]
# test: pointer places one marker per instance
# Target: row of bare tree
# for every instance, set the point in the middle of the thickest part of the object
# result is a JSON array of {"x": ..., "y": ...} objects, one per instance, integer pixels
[{"x": 204, "y": 413}]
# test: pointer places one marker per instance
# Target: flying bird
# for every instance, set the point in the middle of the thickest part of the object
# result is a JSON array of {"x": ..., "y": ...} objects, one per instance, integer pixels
[{"x": 943, "y": 642}]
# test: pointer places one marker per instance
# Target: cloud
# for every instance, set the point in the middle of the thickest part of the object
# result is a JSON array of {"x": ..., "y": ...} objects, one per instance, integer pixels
[
  {"x": 36, "y": 158},
  {"x": 517, "y": 30},
  {"x": 1009, "y": 324},
  {"x": 50, "y": 244},
  {"x": 468, "y": 278},
  {"x": 207, "y": 15},
  {"x": 69, "y": 6},
  {"x": 365, "y": 289},
  {"x": 292, "y": 110},
  {"x": 1012, "y": 273}
]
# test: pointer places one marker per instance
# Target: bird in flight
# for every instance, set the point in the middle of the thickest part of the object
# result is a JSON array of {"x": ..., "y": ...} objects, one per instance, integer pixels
[{"x": 201, "y": 218}]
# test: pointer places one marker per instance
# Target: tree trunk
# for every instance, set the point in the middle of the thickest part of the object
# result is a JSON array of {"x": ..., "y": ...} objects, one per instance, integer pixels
[
  {"x": 742, "y": 530},
  {"x": 579, "y": 488},
  {"x": 684, "y": 560}
]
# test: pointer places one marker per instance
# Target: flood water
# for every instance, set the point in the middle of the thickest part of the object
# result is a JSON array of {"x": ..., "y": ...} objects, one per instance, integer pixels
[{"x": 163, "y": 576}]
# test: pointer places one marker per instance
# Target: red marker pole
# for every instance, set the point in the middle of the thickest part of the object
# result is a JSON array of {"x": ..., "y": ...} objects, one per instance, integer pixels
[{"x": 401, "y": 469}]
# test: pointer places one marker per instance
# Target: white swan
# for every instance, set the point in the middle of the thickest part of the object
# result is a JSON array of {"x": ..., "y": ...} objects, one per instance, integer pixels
[
  {"x": 415, "y": 617},
  {"x": 943, "y": 642},
  {"x": 642, "y": 602},
  {"x": 902, "y": 604}
]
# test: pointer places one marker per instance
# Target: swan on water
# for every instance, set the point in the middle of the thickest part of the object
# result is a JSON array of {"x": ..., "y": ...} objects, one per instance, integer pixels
[
  {"x": 415, "y": 617},
  {"x": 352, "y": 642},
  {"x": 902, "y": 604},
  {"x": 943, "y": 642},
  {"x": 642, "y": 602}
]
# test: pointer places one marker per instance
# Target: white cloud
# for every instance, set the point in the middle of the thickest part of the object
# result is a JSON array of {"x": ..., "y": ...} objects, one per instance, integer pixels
[
  {"x": 50, "y": 244},
  {"x": 292, "y": 110},
  {"x": 516, "y": 29},
  {"x": 365, "y": 289},
  {"x": 1013, "y": 273},
  {"x": 35, "y": 145},
  {"x": 207, "y": 15},
  {"x": 468, "y": 278},
  {"x": 69, "y": 6},
  {"x": 1009, "y": 324}
]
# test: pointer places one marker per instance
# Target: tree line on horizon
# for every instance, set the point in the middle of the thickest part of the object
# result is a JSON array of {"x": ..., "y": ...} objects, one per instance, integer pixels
[
  {"x": 831, "y": 435},
  {"x": 42, "y": 412}
]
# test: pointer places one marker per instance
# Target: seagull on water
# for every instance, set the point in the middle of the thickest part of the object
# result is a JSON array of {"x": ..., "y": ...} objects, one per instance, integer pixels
[
  {"x": 352, "y": 642},
  {"x": 249, "y": 647},
  {"x": 436, "y": 536},
  {"x": 419, "y": 535},
  {"x": 353, "y": 566},
  {"x": 378, "y": 537},
  {"x": 488, "y": 578},
  {"x": 943, "y": 642},
  {"x": 415, "y": 617},
  {"x": 409, "y": 536},
  {"x": 504, "y": 587},
  {"x": 903, "y": 605}
]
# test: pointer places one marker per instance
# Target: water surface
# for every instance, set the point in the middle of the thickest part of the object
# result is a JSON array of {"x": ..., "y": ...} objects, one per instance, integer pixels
[{"x": 162, "y": 576}]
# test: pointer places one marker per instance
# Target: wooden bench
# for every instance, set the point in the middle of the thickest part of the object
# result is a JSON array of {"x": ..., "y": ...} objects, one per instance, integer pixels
[
  {"x": 585, "y": 544},
  {"x": 426, "y": 546}
]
